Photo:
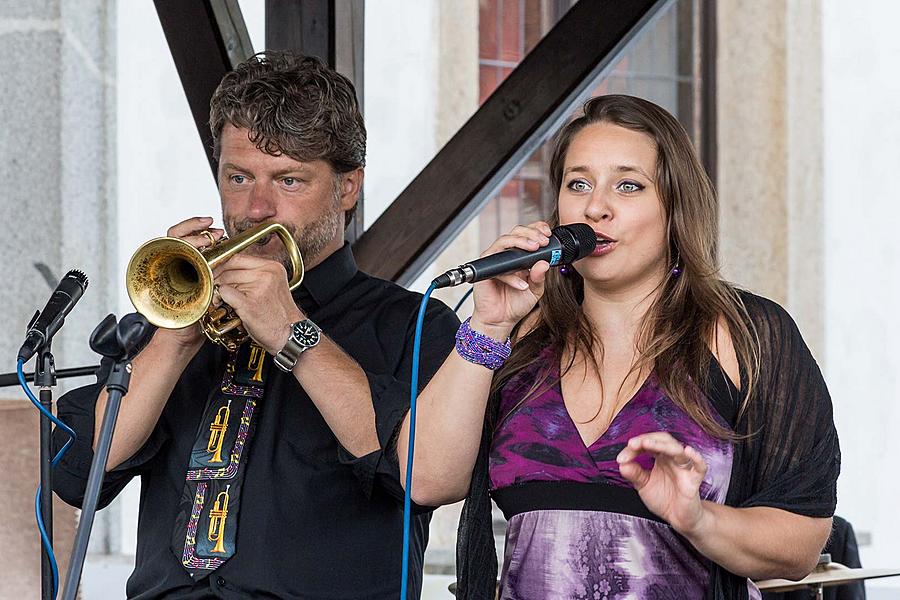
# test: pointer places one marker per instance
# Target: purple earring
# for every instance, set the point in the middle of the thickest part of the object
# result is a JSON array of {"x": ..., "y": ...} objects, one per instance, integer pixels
[
  {"x": 676, "y": 270},
  {"x": 564, "y": 270}
]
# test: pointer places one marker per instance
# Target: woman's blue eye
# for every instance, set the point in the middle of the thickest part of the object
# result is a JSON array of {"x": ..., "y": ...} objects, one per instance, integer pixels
[
  {"x": 579, "y": 185},
  {"x": 630, "y": 186}
]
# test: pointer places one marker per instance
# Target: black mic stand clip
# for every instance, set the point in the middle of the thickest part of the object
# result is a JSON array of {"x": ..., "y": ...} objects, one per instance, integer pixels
[{"x": 120, "y": 342}]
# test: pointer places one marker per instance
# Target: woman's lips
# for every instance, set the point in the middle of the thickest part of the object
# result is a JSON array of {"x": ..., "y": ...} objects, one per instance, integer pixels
[
  {"x": 605, "y": 244},
  {"x": 603, "y": 247}
]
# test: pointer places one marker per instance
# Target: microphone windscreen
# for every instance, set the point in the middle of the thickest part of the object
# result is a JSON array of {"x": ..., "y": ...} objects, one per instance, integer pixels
[
  {"x": 578, "y": 240},
  {"x": 79, "y": 277}
]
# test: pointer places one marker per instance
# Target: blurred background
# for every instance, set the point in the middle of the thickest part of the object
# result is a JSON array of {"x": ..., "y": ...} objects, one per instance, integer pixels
[{"x": 791, "y": 104}]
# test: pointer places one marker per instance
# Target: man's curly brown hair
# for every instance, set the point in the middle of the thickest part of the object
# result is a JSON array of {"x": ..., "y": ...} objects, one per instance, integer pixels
[{"x": 294, "y": 105}]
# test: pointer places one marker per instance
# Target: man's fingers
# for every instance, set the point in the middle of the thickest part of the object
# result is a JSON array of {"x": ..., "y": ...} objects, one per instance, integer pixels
[
  {"x": 189, "y": 226},
  {"x": 204, "y": 240},
  {"x": 246, "y": 262},
  {"x": 231, "y": 296}
]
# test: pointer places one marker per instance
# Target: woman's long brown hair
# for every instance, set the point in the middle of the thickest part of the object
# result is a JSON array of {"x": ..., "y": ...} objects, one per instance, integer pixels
[{"x": 681, "y": 322}]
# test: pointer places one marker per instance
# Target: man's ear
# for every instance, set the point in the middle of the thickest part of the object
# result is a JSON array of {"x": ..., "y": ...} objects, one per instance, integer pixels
[{"x": 351, "y": 186}]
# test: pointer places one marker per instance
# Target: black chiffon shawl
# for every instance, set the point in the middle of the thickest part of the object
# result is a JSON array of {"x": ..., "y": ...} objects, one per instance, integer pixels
[{"x": 790, "y": 460}]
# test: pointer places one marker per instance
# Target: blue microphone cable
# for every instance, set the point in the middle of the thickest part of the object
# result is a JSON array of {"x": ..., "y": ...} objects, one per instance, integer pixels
[
  {"x": 45, "y": 539},
  {"x": 413, "y": 394},
  {"x": 463, "y": 299}
]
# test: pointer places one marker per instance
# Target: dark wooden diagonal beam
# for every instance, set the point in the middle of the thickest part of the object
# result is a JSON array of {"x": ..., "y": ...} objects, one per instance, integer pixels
[
  {"x": 709, "y": 152},
  {"x": 333, "y": 30},
  {"x": 533, "y": 100},
  {"x": 306, "y": 27},
  {"x": 207, "y": 38}
]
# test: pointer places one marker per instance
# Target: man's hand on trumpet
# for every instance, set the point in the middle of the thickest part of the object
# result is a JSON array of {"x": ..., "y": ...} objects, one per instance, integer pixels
[{"x": 257, "y": 289}]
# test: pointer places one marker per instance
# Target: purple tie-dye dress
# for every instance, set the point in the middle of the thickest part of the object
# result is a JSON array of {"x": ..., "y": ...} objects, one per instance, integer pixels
[{"x": 577, "y": 529}]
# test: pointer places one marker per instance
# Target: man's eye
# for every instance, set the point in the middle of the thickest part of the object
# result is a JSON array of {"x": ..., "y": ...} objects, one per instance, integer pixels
[
  {"x": 238, "y": 179},
  {"x": 579, "y": 185},
  {"x": 289, "y": 181},
  {"x": 630, "y": 186}
]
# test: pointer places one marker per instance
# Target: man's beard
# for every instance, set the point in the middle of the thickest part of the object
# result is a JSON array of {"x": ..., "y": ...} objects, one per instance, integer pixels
[{"x": 311, "y": 239}]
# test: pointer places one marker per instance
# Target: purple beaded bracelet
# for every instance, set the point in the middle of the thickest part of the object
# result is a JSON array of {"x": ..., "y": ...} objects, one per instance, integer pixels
[{"x": 480, "y": 349}]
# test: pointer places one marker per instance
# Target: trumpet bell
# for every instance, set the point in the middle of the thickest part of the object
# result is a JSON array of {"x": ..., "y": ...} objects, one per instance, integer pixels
[{"x": 169, "y": 282}]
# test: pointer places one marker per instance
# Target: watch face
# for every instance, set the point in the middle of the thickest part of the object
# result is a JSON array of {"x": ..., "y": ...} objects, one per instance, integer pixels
[{"x": 306, "y": 333}]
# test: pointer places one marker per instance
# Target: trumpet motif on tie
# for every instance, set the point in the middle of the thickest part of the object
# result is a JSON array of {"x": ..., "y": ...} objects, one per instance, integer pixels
[
  {"x": 217, "y": 431},
  {"x": 171, "y": 283},
  {"x": 217, "y": 516}
]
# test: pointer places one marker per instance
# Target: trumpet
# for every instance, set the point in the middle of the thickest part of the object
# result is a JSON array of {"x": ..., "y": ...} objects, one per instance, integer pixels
[
  {"x": 217, "y": 431},
  {"x": 171, "y": 283},
  {"x": 217, "y": 516}
]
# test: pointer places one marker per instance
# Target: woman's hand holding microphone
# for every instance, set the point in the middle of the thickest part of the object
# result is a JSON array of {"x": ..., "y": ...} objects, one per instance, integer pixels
[{"x": 503, "y": 301}]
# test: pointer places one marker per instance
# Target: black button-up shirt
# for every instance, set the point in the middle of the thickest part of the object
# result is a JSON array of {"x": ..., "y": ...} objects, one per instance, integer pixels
[{"x": 315, "y": 522}]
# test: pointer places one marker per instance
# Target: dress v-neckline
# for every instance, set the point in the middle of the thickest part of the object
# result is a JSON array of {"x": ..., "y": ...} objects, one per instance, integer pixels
[{"x": 612, "y": 421}]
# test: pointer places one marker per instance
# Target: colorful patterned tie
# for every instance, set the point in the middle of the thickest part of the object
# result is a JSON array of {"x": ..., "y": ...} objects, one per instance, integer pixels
[{"x": 206, "y": 525}]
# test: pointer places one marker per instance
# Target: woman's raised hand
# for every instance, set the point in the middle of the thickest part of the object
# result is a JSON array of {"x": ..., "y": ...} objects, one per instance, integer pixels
[
  {"x": 502, "y": 302},
  {"x": 671, "y": 488}
]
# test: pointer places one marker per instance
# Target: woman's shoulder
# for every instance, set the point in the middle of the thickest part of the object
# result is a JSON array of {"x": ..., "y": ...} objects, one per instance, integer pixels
[
  {"x": 782, "y": 351},
  {"x": 769, "y": 319}
]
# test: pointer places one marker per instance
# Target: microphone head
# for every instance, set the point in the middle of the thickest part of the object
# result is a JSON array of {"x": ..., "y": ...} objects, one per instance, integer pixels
[
  {"x": 578, "y": 240},
  {"x": 78, "y": 277}
]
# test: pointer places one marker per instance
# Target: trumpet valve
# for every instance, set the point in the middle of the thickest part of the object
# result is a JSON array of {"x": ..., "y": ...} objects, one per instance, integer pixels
[{"x": 217, "y": 313}]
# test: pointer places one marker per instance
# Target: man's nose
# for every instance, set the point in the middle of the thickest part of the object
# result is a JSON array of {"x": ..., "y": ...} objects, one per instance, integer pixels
[{"x": 262, "y": 202}]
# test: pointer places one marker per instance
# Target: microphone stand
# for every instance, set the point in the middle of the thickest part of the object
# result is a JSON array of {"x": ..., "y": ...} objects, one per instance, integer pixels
[
  {"x": 120, "y": 342},
  {"x": 45, "y": 376}
]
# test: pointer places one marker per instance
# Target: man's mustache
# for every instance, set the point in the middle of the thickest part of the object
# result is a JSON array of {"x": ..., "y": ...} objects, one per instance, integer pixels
[{"x": 236, "y": 227}]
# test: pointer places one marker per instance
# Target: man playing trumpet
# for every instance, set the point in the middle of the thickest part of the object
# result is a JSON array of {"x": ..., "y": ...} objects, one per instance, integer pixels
[{"x": 293, "y": 491}]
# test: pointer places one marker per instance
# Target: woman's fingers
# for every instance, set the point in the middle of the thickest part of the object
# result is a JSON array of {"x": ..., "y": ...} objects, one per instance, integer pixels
[
  {"x": 512, "y": 241},
  {"x": 697, "y": 461},
  {"x": 538, "y": 275},
  {"x": 662, "y": 446},
  {"x": 517, "y": 280},
  {"x": 525, "y": 237},
  {"x": 635, "y": 474},
  {"x": 653, "y": 443}
]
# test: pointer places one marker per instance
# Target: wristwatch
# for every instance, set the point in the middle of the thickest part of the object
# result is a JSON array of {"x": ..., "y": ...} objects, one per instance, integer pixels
[{"x": 304, "y": 335}]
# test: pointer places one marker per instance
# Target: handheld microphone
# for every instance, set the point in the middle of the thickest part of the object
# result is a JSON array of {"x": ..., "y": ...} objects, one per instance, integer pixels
[
  {"x": 568, "y": 243},
  {"x": 48, "y": 321}
]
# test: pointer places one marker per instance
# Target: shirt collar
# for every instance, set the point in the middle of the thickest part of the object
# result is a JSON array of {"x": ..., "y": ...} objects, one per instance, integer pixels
[{"x": 322, "y": 283}]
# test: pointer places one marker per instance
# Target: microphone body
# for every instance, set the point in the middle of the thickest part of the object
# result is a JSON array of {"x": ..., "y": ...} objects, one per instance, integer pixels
[
  {"x": 568, "y": 243},
  {"x": 49, "y": 320}
]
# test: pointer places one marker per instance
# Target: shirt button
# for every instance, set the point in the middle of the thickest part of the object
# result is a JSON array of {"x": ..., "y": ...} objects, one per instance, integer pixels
[{"x": 220, "y": 581}]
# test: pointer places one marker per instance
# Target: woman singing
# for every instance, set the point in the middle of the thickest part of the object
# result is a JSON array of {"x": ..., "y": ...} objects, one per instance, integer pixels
[{"x": 648, "y": 430}]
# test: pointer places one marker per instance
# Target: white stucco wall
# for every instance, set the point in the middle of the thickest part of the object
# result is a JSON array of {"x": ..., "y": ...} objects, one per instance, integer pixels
[
  {"x": 861, "y": 99},
  {"x": 401, "y": 88}
]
